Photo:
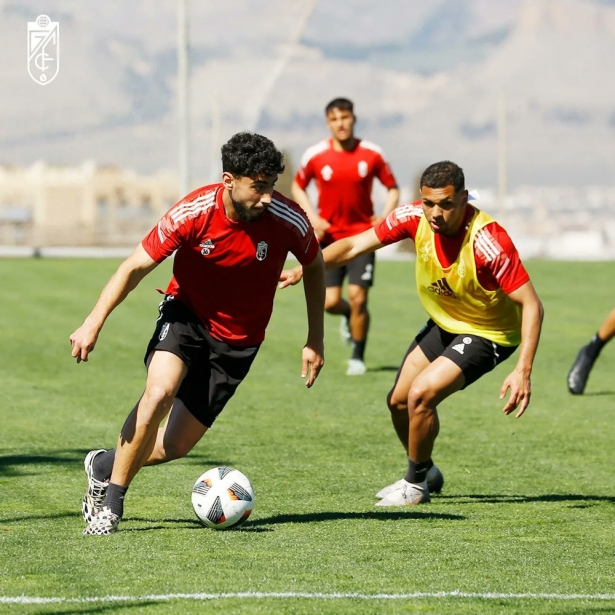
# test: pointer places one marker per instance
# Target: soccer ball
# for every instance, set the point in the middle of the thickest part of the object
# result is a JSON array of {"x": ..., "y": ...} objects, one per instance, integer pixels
[{"x": 222, "y": 498}]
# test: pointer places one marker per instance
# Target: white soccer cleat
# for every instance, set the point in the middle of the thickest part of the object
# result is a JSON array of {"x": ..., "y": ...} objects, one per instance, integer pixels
[
  {"x": 103, "y": 523},
  {"x": 435, "y": 482},
  {"x": 345, "y": 331},
  {"x": 96, "y": 490},
  {"x": 356, "y": 367},
  {"x": 407, "y": 494}
]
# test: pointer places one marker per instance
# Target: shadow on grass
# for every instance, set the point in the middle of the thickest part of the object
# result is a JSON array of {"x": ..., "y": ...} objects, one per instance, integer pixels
[
  {"x": 493, "y": 498},
  {"x": 15, "y": 465},
  {"x": 262, "y": 525},
  {"x": 63, "y": 515},
  {"x": 384, "y": 368},
  {"x": 196, "y": 459},
  {"x": 580, "y": 611},
  {"x": 341, "y": 516},
  {"x": 598, "y": 393},
  {"x": 11, "y": 465},
  {"x": 96, "y": 608}
]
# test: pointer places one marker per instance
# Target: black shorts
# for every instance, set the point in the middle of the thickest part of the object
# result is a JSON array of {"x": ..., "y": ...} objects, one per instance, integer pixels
[
  {"x": 475, "y": 355},
  {"x": 360, "y": 271},
  {"x": 215, "y": 368}
]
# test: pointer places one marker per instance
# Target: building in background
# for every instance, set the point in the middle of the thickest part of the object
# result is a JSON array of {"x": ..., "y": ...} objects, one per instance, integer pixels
[{"x": 89, "y": 205}]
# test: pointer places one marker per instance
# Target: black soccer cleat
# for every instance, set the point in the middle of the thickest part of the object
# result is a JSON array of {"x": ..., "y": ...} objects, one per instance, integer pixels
[{"x": 579, "y": 372}]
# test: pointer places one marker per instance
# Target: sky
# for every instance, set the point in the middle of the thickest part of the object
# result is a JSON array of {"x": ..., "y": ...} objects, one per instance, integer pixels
[{"x": 427, "y": 79}]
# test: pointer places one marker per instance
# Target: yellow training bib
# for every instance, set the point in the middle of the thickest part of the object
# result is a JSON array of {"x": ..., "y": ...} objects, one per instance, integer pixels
[{"x": 453, "y": 296}]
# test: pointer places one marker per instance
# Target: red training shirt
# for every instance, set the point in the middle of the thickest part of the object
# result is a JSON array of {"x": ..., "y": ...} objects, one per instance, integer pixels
[
  {"x": 344, "y": 181},
  {"x": 227, "y": 272},
  {"x": 497, "y": 261}
]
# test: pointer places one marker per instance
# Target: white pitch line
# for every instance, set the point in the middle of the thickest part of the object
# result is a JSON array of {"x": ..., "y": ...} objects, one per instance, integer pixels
[{"x": 305, "y": 595}]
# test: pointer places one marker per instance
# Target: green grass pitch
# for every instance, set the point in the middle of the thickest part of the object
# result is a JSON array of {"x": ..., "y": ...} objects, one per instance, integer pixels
[{"x": 528, "y": 505}]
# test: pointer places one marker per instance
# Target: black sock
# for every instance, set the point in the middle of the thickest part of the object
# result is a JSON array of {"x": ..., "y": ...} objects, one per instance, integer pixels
[
  {"x": 417, "y": 472},
  {"x": 114, "y": 498},
  {"x": 346, "y": 310},
  {"x": 103, "y": 465},
  {"x": 358, "y": 349},
  {"x": 595, "y": 346}
]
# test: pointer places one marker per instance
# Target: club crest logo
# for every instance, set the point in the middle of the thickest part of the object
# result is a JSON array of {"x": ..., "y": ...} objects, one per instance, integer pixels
[
  {"x": 261, "y": 251},
  {"x": 363, "y": 168},
  {"x": 43, "y": 49},
  {"x": 326, "y": 172},
  {"x": 425, "y": 252},
  {"x": 206, "y": 247}
]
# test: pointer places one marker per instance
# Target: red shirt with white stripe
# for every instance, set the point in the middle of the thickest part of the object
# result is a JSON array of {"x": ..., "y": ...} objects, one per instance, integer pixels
[
  {"x": 344, "y": 181},
  {"x": 227, "y": 272},
  {"x": 497, "y": 261}
]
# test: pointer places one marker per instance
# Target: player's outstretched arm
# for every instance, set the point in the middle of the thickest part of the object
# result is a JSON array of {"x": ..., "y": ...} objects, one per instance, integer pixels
[
  {"x": 343, "y": 251},
  {"x": 124, "y": 280},
  {"x": 314, "y": 350},
  {"x": 336, "y": 255},
  {"x": 518, "y": 381}
]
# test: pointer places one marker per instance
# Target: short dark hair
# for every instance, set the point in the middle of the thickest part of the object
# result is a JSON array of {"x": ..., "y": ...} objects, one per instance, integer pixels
[
  {"x": 442, "y": 174},
  {"x": 247, "y": 154},
  {"x": 343, "y": 104}
]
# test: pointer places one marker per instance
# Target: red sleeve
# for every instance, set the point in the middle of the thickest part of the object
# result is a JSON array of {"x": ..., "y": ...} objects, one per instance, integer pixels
[
  {"x": 172, "y": 231},
  {"x": 383, "y": 172},
  {"x": 308, "y": 249},
  {"x": 303, "y": 242},
  {"x": 401, "y": 223},
  {"x": 497, "y": 259},
  {"x": 305, "y": 175}
]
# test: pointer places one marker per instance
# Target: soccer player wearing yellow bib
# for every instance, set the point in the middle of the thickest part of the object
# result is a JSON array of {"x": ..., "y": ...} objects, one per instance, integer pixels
[{"x": 481, "y": 306}]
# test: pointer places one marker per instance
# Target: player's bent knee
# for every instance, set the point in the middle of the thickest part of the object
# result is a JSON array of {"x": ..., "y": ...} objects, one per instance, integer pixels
[
  {"x": 157, "y": 399},
  {"x": 396, "y": 403},
  {"x": 358, "y": 305},
  {"x": 420, "y": 397}
]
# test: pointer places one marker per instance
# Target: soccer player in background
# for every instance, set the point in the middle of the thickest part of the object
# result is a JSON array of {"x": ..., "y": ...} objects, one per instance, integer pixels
[
  {"x": 582, "y": 366},
  {"x": 481, "y": 306},
  {"x": 230, "y": 241},
  {"x": 344, "y": 168}
]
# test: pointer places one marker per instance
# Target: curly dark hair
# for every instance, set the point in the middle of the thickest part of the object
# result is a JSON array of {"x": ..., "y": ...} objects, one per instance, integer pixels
[
  {"x": 442, "y": 174},
  {"x": 247, "y": 154}
]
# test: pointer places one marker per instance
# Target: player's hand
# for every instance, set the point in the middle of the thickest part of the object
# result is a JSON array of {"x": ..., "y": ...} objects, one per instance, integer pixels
[
  {"x": 321, "y": 226},
  {"x": 313, "y": 360},
  {"x": 520, "y": 391},
  {"x": 290, "y": 277},
  {"x": 83, "y": 341}
]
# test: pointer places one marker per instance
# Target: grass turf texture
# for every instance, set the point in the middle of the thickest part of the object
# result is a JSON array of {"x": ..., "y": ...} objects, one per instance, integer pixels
[{"x": 527, "y": 505}]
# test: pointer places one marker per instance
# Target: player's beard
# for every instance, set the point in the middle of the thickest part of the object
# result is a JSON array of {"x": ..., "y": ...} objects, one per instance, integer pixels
[{"x": 244, "y": 213}]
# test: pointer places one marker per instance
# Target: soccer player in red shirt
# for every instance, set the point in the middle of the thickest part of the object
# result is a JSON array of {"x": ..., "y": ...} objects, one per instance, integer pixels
[
  {"x": 344, "y": 168},
  {"x": 481, "y": 307},
  {"x": 230, "y": 242}
]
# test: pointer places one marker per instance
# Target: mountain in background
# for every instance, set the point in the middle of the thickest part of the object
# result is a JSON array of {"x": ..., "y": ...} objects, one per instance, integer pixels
[{"x": 426, "y": 78}]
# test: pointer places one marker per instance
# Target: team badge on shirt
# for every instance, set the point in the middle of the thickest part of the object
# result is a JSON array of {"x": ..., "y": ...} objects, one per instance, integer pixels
[
  {"x": 326, "y": 173},
  {"x": 425, "y": 252},
  {"x": 261, "y": 251},
  {"x": 363, "y": 168},
  {"x": 206, "y": 247}
]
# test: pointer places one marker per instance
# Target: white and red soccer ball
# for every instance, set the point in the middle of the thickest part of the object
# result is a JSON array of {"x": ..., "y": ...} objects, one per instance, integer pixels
[{"x": 222, "y": 498}]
